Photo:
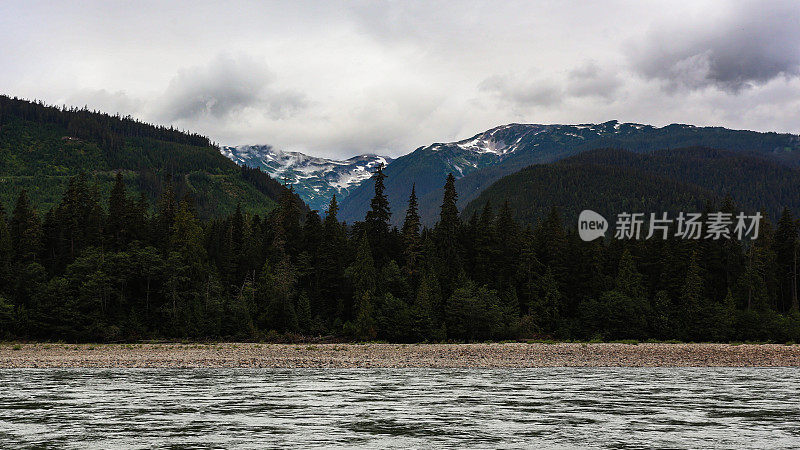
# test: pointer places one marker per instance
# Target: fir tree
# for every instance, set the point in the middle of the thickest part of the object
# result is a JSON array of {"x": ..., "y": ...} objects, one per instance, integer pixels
[
  {"x": 446, "y": 234},
  {"x": 376, "y": 221},
  {"x": 786, "y": 252},
  {"x": 6, "y": 252},
  {"x": 118, "y": 216},
  {"x": 165, "y": 216},
  {"x": 362, "y": 275},
  {"x": 332, "y": 264},
  {"x": 424, "y": 317},
  {"x": 448, "y": 216},
  {"x": 25, "y": 230},
  {"x": 411, "y": 238},
  {"x": 303, "y": 312}
]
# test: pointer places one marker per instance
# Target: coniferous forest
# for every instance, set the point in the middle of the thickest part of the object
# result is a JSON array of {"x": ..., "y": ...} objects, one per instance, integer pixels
[{"x": 121, "y": 269}]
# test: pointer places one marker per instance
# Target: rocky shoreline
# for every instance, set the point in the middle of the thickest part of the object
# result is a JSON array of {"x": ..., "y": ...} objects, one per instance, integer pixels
[{"x": 374, "y": 355}]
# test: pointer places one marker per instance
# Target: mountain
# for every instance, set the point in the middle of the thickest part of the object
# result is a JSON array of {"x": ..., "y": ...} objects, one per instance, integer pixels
[
  {"x": 314, "y": 179},
  {"x": 611, "y": 181},
  {"x": 42, "y": 146},
  {"x": 486, "y": 157}
]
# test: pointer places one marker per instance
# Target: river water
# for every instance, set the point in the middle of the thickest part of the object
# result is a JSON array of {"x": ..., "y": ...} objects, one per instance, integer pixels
[{"x": 402, "y": 408}]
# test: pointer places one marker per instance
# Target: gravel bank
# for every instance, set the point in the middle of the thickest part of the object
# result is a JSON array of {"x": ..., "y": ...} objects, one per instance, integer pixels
[{"x": 398, "y": 355}]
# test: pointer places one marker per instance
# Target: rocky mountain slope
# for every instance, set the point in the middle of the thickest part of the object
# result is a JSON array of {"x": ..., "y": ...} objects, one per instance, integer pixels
[
  {"x": 314, "y": 179},
  {"x": 486, "y": 157}
]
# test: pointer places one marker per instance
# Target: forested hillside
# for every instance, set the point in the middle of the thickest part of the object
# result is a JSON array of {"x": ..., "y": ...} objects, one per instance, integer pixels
[
  {"x": 612, "y": 181},
  {"x": 112, "y": 271},
  {"x": 479, "y": 161},
  {"x": 42, "y": 146}
]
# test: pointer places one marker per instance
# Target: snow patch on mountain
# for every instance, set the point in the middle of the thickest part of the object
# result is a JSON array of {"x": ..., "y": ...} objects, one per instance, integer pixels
[{"x": 314, "y": 179}]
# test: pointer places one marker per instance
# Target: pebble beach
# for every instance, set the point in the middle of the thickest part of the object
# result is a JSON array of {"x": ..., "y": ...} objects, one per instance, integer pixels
[{"x": 375, "y": 355}]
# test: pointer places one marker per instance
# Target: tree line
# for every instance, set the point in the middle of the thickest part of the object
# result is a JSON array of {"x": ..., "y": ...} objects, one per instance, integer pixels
[{"x": 122, "y": 269}]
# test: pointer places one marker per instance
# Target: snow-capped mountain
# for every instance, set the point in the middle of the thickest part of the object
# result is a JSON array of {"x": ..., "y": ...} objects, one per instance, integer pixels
[
  {"x": 314, "y": 179},
  {"x": 478, "y": 161}
]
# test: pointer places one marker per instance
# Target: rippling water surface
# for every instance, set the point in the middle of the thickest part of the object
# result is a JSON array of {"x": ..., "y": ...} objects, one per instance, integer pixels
[{"x": 382, "y": 408}]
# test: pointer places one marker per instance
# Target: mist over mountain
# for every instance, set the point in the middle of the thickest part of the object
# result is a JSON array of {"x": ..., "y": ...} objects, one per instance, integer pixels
[{"x": 314, "y": 179}]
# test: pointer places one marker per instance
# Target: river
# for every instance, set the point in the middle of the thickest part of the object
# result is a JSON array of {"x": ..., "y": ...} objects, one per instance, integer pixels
[{"x": 400, "y": 408}]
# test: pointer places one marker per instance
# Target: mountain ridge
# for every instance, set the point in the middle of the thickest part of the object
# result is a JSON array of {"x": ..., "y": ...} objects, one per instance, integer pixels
[
  {"x": 611, "y": 181},
  {"x": 315, "y": 179},
  {"x": 480, "y": 160},
  {"x": 42, "y": 147}
]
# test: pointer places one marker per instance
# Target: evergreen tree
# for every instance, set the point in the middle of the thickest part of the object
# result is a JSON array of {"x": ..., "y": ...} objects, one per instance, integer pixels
[
  {"x": 289, "y": 215},
  {"x": 118, "y": 215},
  {"x": 376, "y": 222},
  {"x": 472, "y": 312},
  {"x": 626, "y": 307},
  {"x": 362, "y": 275},
  {"x": 693, "y": 300},
  {"x": 424, "y": 317},
  {"x": 6, "y": 253},
  {"x": 545, "y": 306},
  {"x": 303, "y": 313},
  {"x": 446, "y": 234},
  {"x": 487, "y": 247},
  {"x": 449, "y": 222},
  {"x": 508, "y": 242},
  {"x": 165, "y": 216},
  {"x": 277, "y": 285},
  {"x": 411, "y": 238},
  {"x": 786, "y": 251},
  {"x": 25, "y": 231},
  {"x": 332, "y": 264}
]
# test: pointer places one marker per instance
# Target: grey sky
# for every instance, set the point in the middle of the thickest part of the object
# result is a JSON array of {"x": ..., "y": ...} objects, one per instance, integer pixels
[{"x": 340, "y": 78}]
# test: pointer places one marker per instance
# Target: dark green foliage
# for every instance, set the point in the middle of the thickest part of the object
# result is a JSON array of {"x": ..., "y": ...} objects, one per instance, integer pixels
[
  {"x": 78, "y": 273},
  {"x": 42, "y": 147},
  {"x": 522, "y": 145},
  {"x": 411, "y": 238},
  {"x": 376, "y": 222},
  {"x": 611, "y": 181}
]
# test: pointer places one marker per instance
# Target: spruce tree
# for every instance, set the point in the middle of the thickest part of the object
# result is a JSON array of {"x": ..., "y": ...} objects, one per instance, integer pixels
[
  {"x": 448, "y": 216},
  {"x": 290, "y": 215},
  {"x": 332, "y": 264},
  {"x": 487, "y": 245},
  {"x": 626, "y": 307},
  {"x": 25, "y": 230},
  {"x": 545, "y": 306},
  {"x": 786, "y": 251},
  {"x": 165, "y": 216},
  {"x": 118, "y": 215},
  {"x": 376, "y": 221},
  {"x": 446, "y": 234},
  {"x": 303, "y": 309},
  {"x": 424, "y": 316},
  {"x": 6, "y": 252},
  {"x": 411, "y": 239},
  {"x": 362, "y": 276},
  {"x": 693, "y": 301},
  {"x": 508, "y": 246}
]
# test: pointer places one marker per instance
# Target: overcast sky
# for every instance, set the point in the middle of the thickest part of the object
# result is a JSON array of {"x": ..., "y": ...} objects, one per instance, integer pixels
[{"x": 341, "y": 78}]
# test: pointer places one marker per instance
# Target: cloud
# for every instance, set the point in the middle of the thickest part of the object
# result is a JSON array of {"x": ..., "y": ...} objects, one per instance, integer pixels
[
  {"x": 337, "y": 79},
  {"x": 745, "y": 46},
  {"x": 591, "y": 80},
  {"x": 521, "y": 91},
  {"x": 225, "y": 86},
  {"x": 103, "y": 100}
]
